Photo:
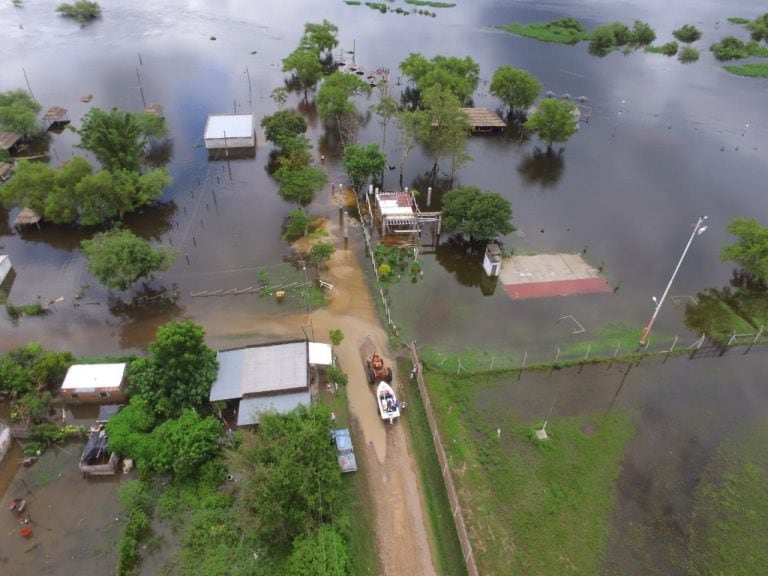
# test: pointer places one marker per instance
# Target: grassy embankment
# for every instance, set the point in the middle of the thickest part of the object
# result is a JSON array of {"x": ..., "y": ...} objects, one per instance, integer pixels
[
  {"x": 730, "y": 509},
  {"x": 442, "y": 530},
  {"x": 532, "y": 507}
]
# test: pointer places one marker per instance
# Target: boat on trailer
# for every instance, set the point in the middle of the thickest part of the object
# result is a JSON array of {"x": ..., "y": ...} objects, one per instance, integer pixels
[{"x": 389, "y": 406}]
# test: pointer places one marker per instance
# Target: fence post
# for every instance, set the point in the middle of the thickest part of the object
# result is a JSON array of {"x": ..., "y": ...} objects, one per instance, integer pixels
[{"x": 757, "y": 337}]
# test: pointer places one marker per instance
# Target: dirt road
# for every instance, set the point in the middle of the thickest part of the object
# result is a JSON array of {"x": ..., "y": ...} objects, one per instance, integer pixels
[{"x": 401, "y": 533}]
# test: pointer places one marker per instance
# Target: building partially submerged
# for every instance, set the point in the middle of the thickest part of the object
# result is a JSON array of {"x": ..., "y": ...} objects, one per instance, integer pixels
[
  {"x": 10, "y": 141},
  {"x": 267, "y": 377},
  {"x": 27, "y": 216},
  {"x": 484, "y": 120},
  {"x": 94, "y": 384},
  {"x": 96, "y": 459},
  {"x": 400, "y": 214},
  {"x": 230, "y": 133},
  {"x": 5, "y": 267},
  {"x": 55, "y": 118}
]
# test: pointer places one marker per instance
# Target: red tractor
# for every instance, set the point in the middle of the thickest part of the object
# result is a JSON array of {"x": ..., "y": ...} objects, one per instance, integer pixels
[{"x": 375, "y": 370}]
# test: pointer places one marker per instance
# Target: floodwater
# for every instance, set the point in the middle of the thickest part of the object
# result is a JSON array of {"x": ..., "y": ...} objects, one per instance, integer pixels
[
  {"x": 665, "y": 144},
  {"x": 681, "y": 421}
]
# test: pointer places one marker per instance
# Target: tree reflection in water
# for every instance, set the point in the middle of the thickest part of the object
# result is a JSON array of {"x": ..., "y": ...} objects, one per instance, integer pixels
[{"x": 543, "y": 167}]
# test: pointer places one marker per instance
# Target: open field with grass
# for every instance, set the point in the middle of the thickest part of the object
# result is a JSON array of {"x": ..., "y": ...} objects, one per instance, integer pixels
[
  {"x": 443, "y": 537},
  {"x": 532, "y": 507},
  {"x": 730, "y": 516}
]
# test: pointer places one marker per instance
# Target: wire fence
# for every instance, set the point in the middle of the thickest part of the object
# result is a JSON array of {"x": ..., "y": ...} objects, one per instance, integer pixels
[
  {"x": 479, "y": 361},
  {"x": 367, "y": 226}
]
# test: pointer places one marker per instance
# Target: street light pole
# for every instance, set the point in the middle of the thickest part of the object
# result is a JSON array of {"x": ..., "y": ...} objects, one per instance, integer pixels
[{"x": 697, "y": 230}]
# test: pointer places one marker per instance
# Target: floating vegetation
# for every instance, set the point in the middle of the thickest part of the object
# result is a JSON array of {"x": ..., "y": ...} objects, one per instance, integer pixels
[
  {"x": 731, "y": 48},
  {"x": 83, "y": 10},
  {"x": 738, "y": 20},
  {"x": 752, "y": 70},
  {"x": 688, "y": 54},
  {"x": 563, "y": 31},
  {"x": 430, "y": 4},
  {"x": 668, "y": 49},
  {"x": 687, "y": 33}
]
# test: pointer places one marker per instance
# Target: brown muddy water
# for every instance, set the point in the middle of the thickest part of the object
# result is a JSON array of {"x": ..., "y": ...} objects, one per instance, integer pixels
[{"x": 665, "y": 143}]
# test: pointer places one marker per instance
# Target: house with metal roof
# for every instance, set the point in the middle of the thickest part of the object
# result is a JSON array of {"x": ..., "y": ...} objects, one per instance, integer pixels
[
  {"x": 94, "y": 383},
  {"x": 267, "y": 377},
  {"x": 229, "y": 132}
]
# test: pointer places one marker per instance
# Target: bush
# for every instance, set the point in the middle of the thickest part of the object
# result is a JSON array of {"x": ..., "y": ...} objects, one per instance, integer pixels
[
  {"x": 296, "y": 225},
  {"x": 82, "y": 10},
  {"x": 668, "y": 49},
  {"x": 385, "y": 270},
  {"x": 759, "y": 28},
  {"x": 642, "y": 33},
  {"x": 687, "y": 33},
  {"x": 729, "y": 48},
  {"x": 336, "y": 376},
  {"x": 32, "y": 406},
  {"x": 688, "y": 54}
]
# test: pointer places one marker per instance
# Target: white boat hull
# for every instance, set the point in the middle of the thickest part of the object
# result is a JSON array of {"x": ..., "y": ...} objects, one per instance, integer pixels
[{"x": 389, "y": 406}]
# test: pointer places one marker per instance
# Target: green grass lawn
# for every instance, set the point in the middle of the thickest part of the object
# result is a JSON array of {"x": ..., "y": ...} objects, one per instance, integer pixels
[
  {"x": 442, "y": 529},
  {"x": 730, "y": 512},
  {"x": 532, "y": 507}
]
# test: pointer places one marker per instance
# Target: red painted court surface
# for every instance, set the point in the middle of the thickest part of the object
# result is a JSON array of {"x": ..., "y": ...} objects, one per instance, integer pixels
[
  {"x": 557, "y": 288},
  {"x": 548, "y": 275}
]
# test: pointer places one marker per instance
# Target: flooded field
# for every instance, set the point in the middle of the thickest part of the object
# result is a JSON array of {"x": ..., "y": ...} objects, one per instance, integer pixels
[{"x": 666, "y": 143}]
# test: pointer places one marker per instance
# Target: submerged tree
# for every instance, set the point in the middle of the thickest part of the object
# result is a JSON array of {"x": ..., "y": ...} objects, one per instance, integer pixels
[
  {"x": 118, "y": 258},
  {"x": 18, "y": 113},
  {"x": 82, "y": 10},
  {"x": 477, "y": 214},
  {"x": 362, "y": 163},
  {"x": 282, "y": 127},
  {"x": 750, "y": 250},
  {"x": 300, "y": 184},
  {"x": 459, "y": 76},
  {"x": 305, "y": 67},
  {"x": 119, "y": 139},
  {"x": 334, "y": 103},
  {"x": 516, "y": 88},
  {"x": 319, "y": 38},
  {"x": 554, "y": 120}
]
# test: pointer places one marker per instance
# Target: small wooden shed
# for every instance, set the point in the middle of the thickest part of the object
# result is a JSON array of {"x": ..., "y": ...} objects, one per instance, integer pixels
[
  {"x": 27, "y": 216},
  {"x": 154, "y": 108},
  {"x": 94, "y": 384},
  {"x": 9, "y": 141},
  {"x": 55, "y": 118},
  {"x": 484, "y": 120}
]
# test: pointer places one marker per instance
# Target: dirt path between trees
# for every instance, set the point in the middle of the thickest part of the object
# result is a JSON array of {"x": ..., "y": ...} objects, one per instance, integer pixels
[{"x": 401, "y": 535}]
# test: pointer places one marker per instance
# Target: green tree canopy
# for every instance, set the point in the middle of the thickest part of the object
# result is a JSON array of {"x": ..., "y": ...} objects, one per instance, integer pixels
[
  {"x": 184, "y": 444},
  {"x": 554, "y": 120},
  {"x": 31, "y": 367},
  {"x": 292, "y": 481},
  {"x": 320, "y": 253},
  {"x": 362, "y": 163},
  {"x": 118, "y": 258},
  {"x": 333, "y": 98},
  {"x": 477, "y": 214},
  {"x": 319, "y": 38},
  {"x": 128, "y": 432},
  {"x": 18, "y": 113},
  {"x": 305, "y": 67},
  {"x": 515, "y": 88},
  {"x": 751, "y": 248},
  {"x": 117, "y": 138},
  {"x": 296, "y": 224},
  {"x": 759, "y": 28},
  {"x": 282, "y": 126},
  {"x": 443, "y": 128},
  {"x": 385, "y": 109},
  {"x": 300, "y": 184},
  {"x": 74, "y": 194},
  {"x": 322, "y": 553},
  {"x": 460, "y": 76},
  {"x": 687, "y": 33},
  {"x": 642, "y": 33},
  {"x": 179, "y": 372}
]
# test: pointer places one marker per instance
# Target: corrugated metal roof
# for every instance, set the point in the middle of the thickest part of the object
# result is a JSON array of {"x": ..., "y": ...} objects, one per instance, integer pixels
[
  {"x": 227, "y": 384},
  {"x": 250, "y": 408},
  {"x": 89, "y": 376},
  {"x": 261, "y": 370},
  {"x": 233, "y": 125},
  {"x": 276, "y": 368}
]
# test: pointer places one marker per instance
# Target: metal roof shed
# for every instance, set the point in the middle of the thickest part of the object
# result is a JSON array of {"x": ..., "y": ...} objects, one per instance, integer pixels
[{"x": 229, "y": 131}]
